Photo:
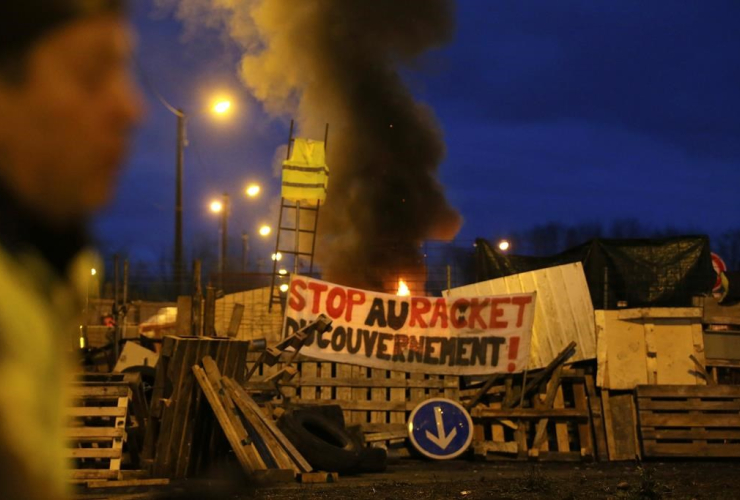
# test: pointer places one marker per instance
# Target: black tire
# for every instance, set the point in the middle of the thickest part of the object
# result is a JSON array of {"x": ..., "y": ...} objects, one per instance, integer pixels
[
  {"x": 373, "y": 460},
  {"x": 326, "y": 445}
]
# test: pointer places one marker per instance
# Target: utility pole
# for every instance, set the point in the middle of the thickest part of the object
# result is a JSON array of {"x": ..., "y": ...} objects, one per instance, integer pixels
[
  {"x": 245, "y": 251},
  {"x": 180, "y": 160},
  {"x": 224, "y": 237}
]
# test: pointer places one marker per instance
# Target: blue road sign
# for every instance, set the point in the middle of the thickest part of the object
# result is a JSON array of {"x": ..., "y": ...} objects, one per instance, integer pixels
[{"x": 440, "y": 428}]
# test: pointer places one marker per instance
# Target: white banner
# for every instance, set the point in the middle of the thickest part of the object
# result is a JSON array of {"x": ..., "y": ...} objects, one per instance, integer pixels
[{"x": 443, "y": 336}]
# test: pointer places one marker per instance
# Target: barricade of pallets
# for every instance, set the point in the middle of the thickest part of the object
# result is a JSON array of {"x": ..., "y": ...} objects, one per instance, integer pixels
[
  {"x": 554, "y": 423},
  {"x": 106, "y": 425},
  {"x": 379, "y": 401},
  {"x": 689, "y": 420},
  {"x": 172, "y": 446}
]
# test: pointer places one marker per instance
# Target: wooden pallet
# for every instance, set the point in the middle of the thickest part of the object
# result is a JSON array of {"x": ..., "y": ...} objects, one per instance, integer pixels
[
  {"x": 97, "y": 426},
  {"x": 379, "y": 401},
  {"x": 556, "y": 423},
  {"x": 178, "y": 409},
  {"x": 689, "y": 421}
]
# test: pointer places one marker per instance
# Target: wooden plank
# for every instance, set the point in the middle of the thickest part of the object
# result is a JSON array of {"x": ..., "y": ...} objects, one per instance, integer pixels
[
  {"x": 358, "y": 394},
  {"x": 608, "y": 424},
  {"x": 185, "y": 408},
  {"x": 689, "y": 434},
  {"x": 660, "y": 313},
  {"x": 585, "y": 439},
  {"x": 309, "y": 370},
  {"x": 246, "y": 433},
  {"x": 95, "y": 411},
  {"x": 688, "y": 391},
  {"x": 686, "y": 420},
  {"x": 130, "y": 483},
  {"x": 689, "y": 404},
  {"x": 344, "y": 391},
  {"x": 93, "y": 453},
  {"x": 389, "y": 383},
  {"x": 244, "y": 398},
  {"x": 691, "y": 450},
  {"x": 597, "y": 420},
  {"x": 177, "y": 376},
  {"x": 236, "y": 319},
  {"x": 561, "y": 428},
  {"x": 99, "y": 391},
  {"x": 377, "y": 396},
  {"x": 94, "y": 432},
  {"x": 183, "y": 323},
  {"x": 276, "y": 449},
  {"x": 245, "y": 453},
  {"x": 120, "y": 423},
  {"x": 398, "y": 395},
  {"x": 530, "y": 413},
  {"x": 82, "y": 474},
  {"x": 624, "y": 427},
  {"x": 552, "y": 390}
]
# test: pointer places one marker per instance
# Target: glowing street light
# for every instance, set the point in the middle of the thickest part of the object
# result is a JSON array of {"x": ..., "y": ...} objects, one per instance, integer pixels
[
  {"x": 284, "y": 288},
  {"x": 222, "y": 107},
  {"x": 265, "y": 230},
  {"x": 504, "y": 245},
  {"x": 283, "y": 272},
  {"x": 216, "y": 207},
  {"x": 93, "y": 271},
  {"x": 253, "y": 190},
  {"x": 277, "y": 256}
]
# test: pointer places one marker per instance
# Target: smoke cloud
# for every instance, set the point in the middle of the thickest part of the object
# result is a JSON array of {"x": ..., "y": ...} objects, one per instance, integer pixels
[{"x": 338, "y": 62}]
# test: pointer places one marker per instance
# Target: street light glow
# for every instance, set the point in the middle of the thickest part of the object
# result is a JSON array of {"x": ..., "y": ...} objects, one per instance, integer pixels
[
  {"x": 253, "y": 190},
  {"x": 282, "y": 272},
  {"x": 93, "y": 271},
  {"x": 217, "y": 207},
  {"x": 504, "y": 245},
  {"x": 277, "y": 256},
  {"x": 265, "y": 230},
  {"x": 284, "y": 287},
  {"x": 222, "y": 107}
]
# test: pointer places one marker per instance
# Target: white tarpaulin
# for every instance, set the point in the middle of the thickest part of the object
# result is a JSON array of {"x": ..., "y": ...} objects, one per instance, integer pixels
[{"x": 476, "y": 335}]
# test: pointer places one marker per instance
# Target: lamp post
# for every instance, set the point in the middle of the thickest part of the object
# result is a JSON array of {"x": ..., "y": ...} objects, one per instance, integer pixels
[{"x": 179, "y": 164}]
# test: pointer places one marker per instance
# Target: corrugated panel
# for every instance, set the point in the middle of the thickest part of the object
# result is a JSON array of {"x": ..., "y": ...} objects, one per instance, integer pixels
[{"x": 563, "y": 313}]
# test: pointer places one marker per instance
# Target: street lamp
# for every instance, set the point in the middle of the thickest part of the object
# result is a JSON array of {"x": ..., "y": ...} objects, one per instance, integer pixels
[
  {"x": 504, "y": 245},
  {"x": 265, "y": 231},
  {"x": 253, "y": 190},
  {"x": 220, "y": 107}
]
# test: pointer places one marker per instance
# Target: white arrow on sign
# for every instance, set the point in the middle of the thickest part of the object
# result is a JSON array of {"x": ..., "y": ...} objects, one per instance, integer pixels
[{"x": 441, "y": 439}]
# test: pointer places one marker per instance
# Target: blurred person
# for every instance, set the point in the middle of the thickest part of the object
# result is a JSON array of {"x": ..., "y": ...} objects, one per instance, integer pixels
[{"x": 67, "y": 106}]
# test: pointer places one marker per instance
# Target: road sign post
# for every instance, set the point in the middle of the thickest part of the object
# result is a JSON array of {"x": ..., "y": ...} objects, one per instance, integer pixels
[{"x": 440, "y": 429}]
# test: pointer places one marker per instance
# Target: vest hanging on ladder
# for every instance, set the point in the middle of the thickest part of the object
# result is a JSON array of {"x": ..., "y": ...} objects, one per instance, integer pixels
[{"x": 305, "y": 174}]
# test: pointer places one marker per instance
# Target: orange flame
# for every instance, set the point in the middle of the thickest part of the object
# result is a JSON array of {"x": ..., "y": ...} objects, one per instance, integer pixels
[{"x": 403, "y": 288}]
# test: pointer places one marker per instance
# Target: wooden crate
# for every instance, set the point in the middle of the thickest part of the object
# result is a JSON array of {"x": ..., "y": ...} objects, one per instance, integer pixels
[
  {"x": 566, "y": 426},
  {"x": 380, "y": 401},
  {"x": 689, "y": 421},
  {"x": 179, "y": 408}
]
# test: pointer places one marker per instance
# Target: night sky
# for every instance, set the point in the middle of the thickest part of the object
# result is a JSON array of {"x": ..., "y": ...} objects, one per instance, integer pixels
[{"x": 572, "y": 112}]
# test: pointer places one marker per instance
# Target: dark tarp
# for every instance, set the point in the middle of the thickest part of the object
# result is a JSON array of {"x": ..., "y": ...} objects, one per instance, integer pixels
[{"x": 641, "y": 272}]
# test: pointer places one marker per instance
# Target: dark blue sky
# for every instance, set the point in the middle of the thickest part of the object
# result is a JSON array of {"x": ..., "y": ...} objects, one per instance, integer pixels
[{"x": 566, "y": 111}]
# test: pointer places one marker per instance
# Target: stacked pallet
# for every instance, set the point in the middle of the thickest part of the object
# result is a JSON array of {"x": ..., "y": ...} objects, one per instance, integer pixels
[
  {"x": 106, "y": 428},
  {"x": 689, "y": 421},
  {"x": 263, "y": 451},
  {"x": 556, "y": 421},
  {"x": 379, "y": 401},
  {"x": 182, "y": 438}
]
